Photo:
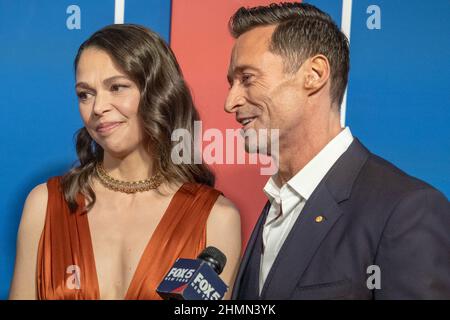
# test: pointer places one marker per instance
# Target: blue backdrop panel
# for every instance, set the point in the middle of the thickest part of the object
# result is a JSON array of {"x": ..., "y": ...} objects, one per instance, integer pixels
[
  {"x": 333, "y": 8},
  {"x": 37, "y": 97},
  {"x": 399, "y": 89},
  {"x": 152, "y": 13}
]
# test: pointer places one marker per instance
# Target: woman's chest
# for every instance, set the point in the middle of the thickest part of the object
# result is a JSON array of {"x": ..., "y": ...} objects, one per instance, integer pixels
[{"x": 119, "y": 242}]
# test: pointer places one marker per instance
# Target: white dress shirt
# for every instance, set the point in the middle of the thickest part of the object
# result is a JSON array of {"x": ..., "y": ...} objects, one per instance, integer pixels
[{"x": 288, "y": 201}]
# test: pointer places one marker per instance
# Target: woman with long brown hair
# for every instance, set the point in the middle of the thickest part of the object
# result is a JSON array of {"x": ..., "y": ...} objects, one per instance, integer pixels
[{"x": 113, "y": 225}]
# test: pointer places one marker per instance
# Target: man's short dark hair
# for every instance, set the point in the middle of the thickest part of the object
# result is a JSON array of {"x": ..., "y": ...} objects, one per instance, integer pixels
[{"x": 302, "y": 30}]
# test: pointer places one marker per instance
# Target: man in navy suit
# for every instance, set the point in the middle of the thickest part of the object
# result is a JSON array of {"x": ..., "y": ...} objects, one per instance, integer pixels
[{"x": 340, "y": 223}]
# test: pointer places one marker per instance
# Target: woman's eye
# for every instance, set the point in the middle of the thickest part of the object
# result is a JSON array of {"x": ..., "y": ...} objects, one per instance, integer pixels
[
  {"x": 83, "y": 95},
  {"x": 118, "y": 87}
]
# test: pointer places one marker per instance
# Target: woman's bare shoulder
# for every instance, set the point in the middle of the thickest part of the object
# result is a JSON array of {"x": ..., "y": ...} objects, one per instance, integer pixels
[
  {"x": 33, "y": 216},
  {"x": 224, "y": 208},
  {"x": 37, "y": 199},
  {"x": 23, "y": 285},
  {"x": 38, "y": 194}
]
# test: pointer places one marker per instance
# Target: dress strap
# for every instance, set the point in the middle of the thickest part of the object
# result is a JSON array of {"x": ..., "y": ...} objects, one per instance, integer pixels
[
  {"x": 181, "y": 233},
  {"x": 65, "y": 265}
]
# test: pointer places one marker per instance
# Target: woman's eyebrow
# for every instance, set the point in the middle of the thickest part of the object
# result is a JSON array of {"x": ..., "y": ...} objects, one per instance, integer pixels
[
  {"x": 114, "y": 78},
  {"x": 106, "y": 82},
  {"x": 82, "y": 85}
]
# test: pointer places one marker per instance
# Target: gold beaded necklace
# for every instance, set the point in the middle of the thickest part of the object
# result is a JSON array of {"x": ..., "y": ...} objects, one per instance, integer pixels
[{"x": 125, "y": 186}]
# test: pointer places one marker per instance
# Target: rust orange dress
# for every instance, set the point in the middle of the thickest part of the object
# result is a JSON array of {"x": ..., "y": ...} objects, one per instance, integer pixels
[{"x": 66, "y": 241}]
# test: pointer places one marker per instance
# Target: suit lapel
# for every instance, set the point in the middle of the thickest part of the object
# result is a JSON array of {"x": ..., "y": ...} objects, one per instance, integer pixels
[
  {"x": 307, "y": 233},
  {"x": 301, "y": 244},
  {"x": 251, "y": 250}
]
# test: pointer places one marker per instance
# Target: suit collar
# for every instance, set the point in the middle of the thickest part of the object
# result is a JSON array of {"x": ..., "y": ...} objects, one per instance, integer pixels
[
  {"x": 305, "y": 181},
  {"x": 308, "y": 232},
  {"x": 343, "y": 174},
  {"x": 301, "y": 244}
]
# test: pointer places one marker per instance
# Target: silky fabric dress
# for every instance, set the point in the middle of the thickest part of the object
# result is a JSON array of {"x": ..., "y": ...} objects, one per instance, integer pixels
[{"x": 65, "y": 246}]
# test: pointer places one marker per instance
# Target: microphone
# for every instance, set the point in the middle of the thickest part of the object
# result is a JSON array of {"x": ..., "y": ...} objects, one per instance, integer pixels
[{"x": 195, "y": 279}]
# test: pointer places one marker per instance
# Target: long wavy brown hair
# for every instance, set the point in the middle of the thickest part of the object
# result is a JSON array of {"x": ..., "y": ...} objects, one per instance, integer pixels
[{"x": 165, "y": 105}]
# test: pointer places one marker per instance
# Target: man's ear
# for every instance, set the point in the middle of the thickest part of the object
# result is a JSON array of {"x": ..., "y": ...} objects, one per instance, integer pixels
[{"x": 317, "y": 73}]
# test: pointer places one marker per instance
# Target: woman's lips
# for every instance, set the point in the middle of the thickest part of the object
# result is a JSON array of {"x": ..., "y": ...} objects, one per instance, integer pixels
[{"x": 107, "y": 127}]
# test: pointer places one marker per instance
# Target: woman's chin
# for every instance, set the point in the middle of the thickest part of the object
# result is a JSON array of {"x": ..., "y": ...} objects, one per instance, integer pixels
[{"x": 116, "y": 153}]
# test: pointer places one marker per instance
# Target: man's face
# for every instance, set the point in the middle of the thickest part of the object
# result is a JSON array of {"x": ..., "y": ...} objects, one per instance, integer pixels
[{"x": 262, "y": 94}]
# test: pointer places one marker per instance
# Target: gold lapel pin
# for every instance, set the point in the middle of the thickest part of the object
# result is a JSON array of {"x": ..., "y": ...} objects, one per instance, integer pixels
[{"x": 319, "y": 219}]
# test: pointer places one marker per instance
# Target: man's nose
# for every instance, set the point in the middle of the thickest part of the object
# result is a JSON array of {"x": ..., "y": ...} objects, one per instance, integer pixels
[{"x": 235, "y": 99}]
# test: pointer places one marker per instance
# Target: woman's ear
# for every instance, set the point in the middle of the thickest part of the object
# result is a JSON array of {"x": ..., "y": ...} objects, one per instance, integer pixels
[{"x": 317, "y": 73}]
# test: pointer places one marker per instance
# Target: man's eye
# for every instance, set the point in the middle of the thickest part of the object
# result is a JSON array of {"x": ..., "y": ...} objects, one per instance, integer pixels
[
  {"x": 246, "y": 79},
  {"x": 230, "y": 82}
]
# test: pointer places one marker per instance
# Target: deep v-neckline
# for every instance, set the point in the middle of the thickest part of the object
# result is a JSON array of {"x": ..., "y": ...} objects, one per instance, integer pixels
[{"x": 144, "y": 253}]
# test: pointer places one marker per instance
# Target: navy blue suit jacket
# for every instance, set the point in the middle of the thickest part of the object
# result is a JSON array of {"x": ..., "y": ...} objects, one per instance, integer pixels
[{"x": 374, "y": 214}]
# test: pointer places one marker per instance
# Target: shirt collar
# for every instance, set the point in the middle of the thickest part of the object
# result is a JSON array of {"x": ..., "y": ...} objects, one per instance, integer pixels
[
  {"x": 306, "y": 180},
  {"x": 272, "y": 191}
]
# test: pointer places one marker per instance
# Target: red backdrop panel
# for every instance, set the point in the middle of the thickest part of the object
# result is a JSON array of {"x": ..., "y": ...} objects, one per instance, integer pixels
[{"x": 202, "y": 44}]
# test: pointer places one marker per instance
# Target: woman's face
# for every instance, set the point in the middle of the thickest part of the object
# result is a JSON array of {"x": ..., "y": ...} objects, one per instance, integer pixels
[{"x": 108, "y": 101}]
